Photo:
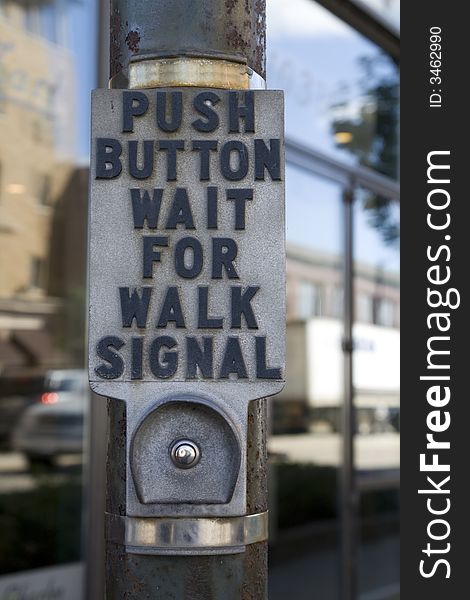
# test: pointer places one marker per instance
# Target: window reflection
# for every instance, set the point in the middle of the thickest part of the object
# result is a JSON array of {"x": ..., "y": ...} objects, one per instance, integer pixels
[
  {"x": 341, "y": 97},
  {"x": 342, "y": 100},
  {"x": 376, "y": 377},
  {"x": 43, "y": 390},
  {"x": 341, "y": 92},
  {"x": 310, "y": 299},
  {"x": 304, "y": 447}
]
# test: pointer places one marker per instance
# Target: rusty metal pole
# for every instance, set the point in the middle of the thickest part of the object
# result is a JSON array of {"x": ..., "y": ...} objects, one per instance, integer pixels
[
  {"x": 172, "y": 43},
  {"x": 224, "y": 38}
]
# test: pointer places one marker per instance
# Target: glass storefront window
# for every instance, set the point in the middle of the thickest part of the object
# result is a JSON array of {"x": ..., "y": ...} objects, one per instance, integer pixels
[
  {"x": 376, "y": 379},
  {"x": 304, "y": 447},
  {"x": 310, "y": 300},
  {"x": 306, "y": 416},
  {"x": 341, "y": 99},
  {"x": 341, "y": 92},
  {"x": 43, "y": 219}
]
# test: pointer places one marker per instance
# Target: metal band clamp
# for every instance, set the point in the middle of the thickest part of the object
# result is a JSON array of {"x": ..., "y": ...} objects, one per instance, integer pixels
[
  {"x": 202, "y": 535},
  {"x": 193, "y": 72}
]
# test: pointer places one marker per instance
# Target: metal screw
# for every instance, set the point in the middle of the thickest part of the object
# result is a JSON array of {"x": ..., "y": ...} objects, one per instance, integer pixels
[{"x": 185, "y": 454}]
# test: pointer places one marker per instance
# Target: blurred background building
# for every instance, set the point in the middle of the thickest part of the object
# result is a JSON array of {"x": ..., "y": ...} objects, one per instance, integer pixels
[{"x": 337, "y": 62}]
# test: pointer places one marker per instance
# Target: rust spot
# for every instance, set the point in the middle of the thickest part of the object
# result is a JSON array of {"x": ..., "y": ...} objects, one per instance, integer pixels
[
  {"x": 115, "y": 49},
  {"x": 230, "y": 5},
  {"x": 260, "y": 7},
  {"x": 235, "y": 39},
  {"x": 133, "y": 40},
  {"x": 122, "y": 426},
  {"x": 260, "y": 41}
]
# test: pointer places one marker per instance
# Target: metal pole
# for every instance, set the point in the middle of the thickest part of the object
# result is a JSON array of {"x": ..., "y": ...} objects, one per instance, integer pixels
[
  {"x": 97, "y": 422},
  {"x": 206, "y": 44},
  {"x": 348, "y": 493},
  {"x": 179, "y": 37},
  {"x": 102, "y": 63}
]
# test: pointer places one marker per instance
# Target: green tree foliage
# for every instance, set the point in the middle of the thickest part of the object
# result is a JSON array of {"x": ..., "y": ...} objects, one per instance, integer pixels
[{"x": 374, "y": 134}]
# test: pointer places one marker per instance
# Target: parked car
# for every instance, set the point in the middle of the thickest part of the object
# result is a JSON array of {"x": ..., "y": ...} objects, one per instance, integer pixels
[
  {"x": 17, "y": 393},
  {"x": 54, "y": 425}
]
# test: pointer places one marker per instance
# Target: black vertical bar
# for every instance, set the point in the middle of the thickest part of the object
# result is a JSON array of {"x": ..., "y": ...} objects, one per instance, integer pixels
[
  {"x": 348, "y": 496},
  {"x": 435, "y": 499}
]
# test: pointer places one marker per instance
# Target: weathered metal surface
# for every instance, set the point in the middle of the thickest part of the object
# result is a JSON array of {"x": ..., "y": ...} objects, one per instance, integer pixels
[
  {"x": 224, "y": 577},
  {"x": 116, "y": 458},
  {"x": 138, "y": 577},
  {"x": 233, "y": 206},
  {"x": 198, "y": 202},
  {"x": 158, "y": 482},
  {"x": 190, "y": 71},
  {"x": 257, "y": 457},
  {"x": 182, "y": 536},
  {"x": 255, "y": 563},
  {"x": 233, "y": 30}
]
